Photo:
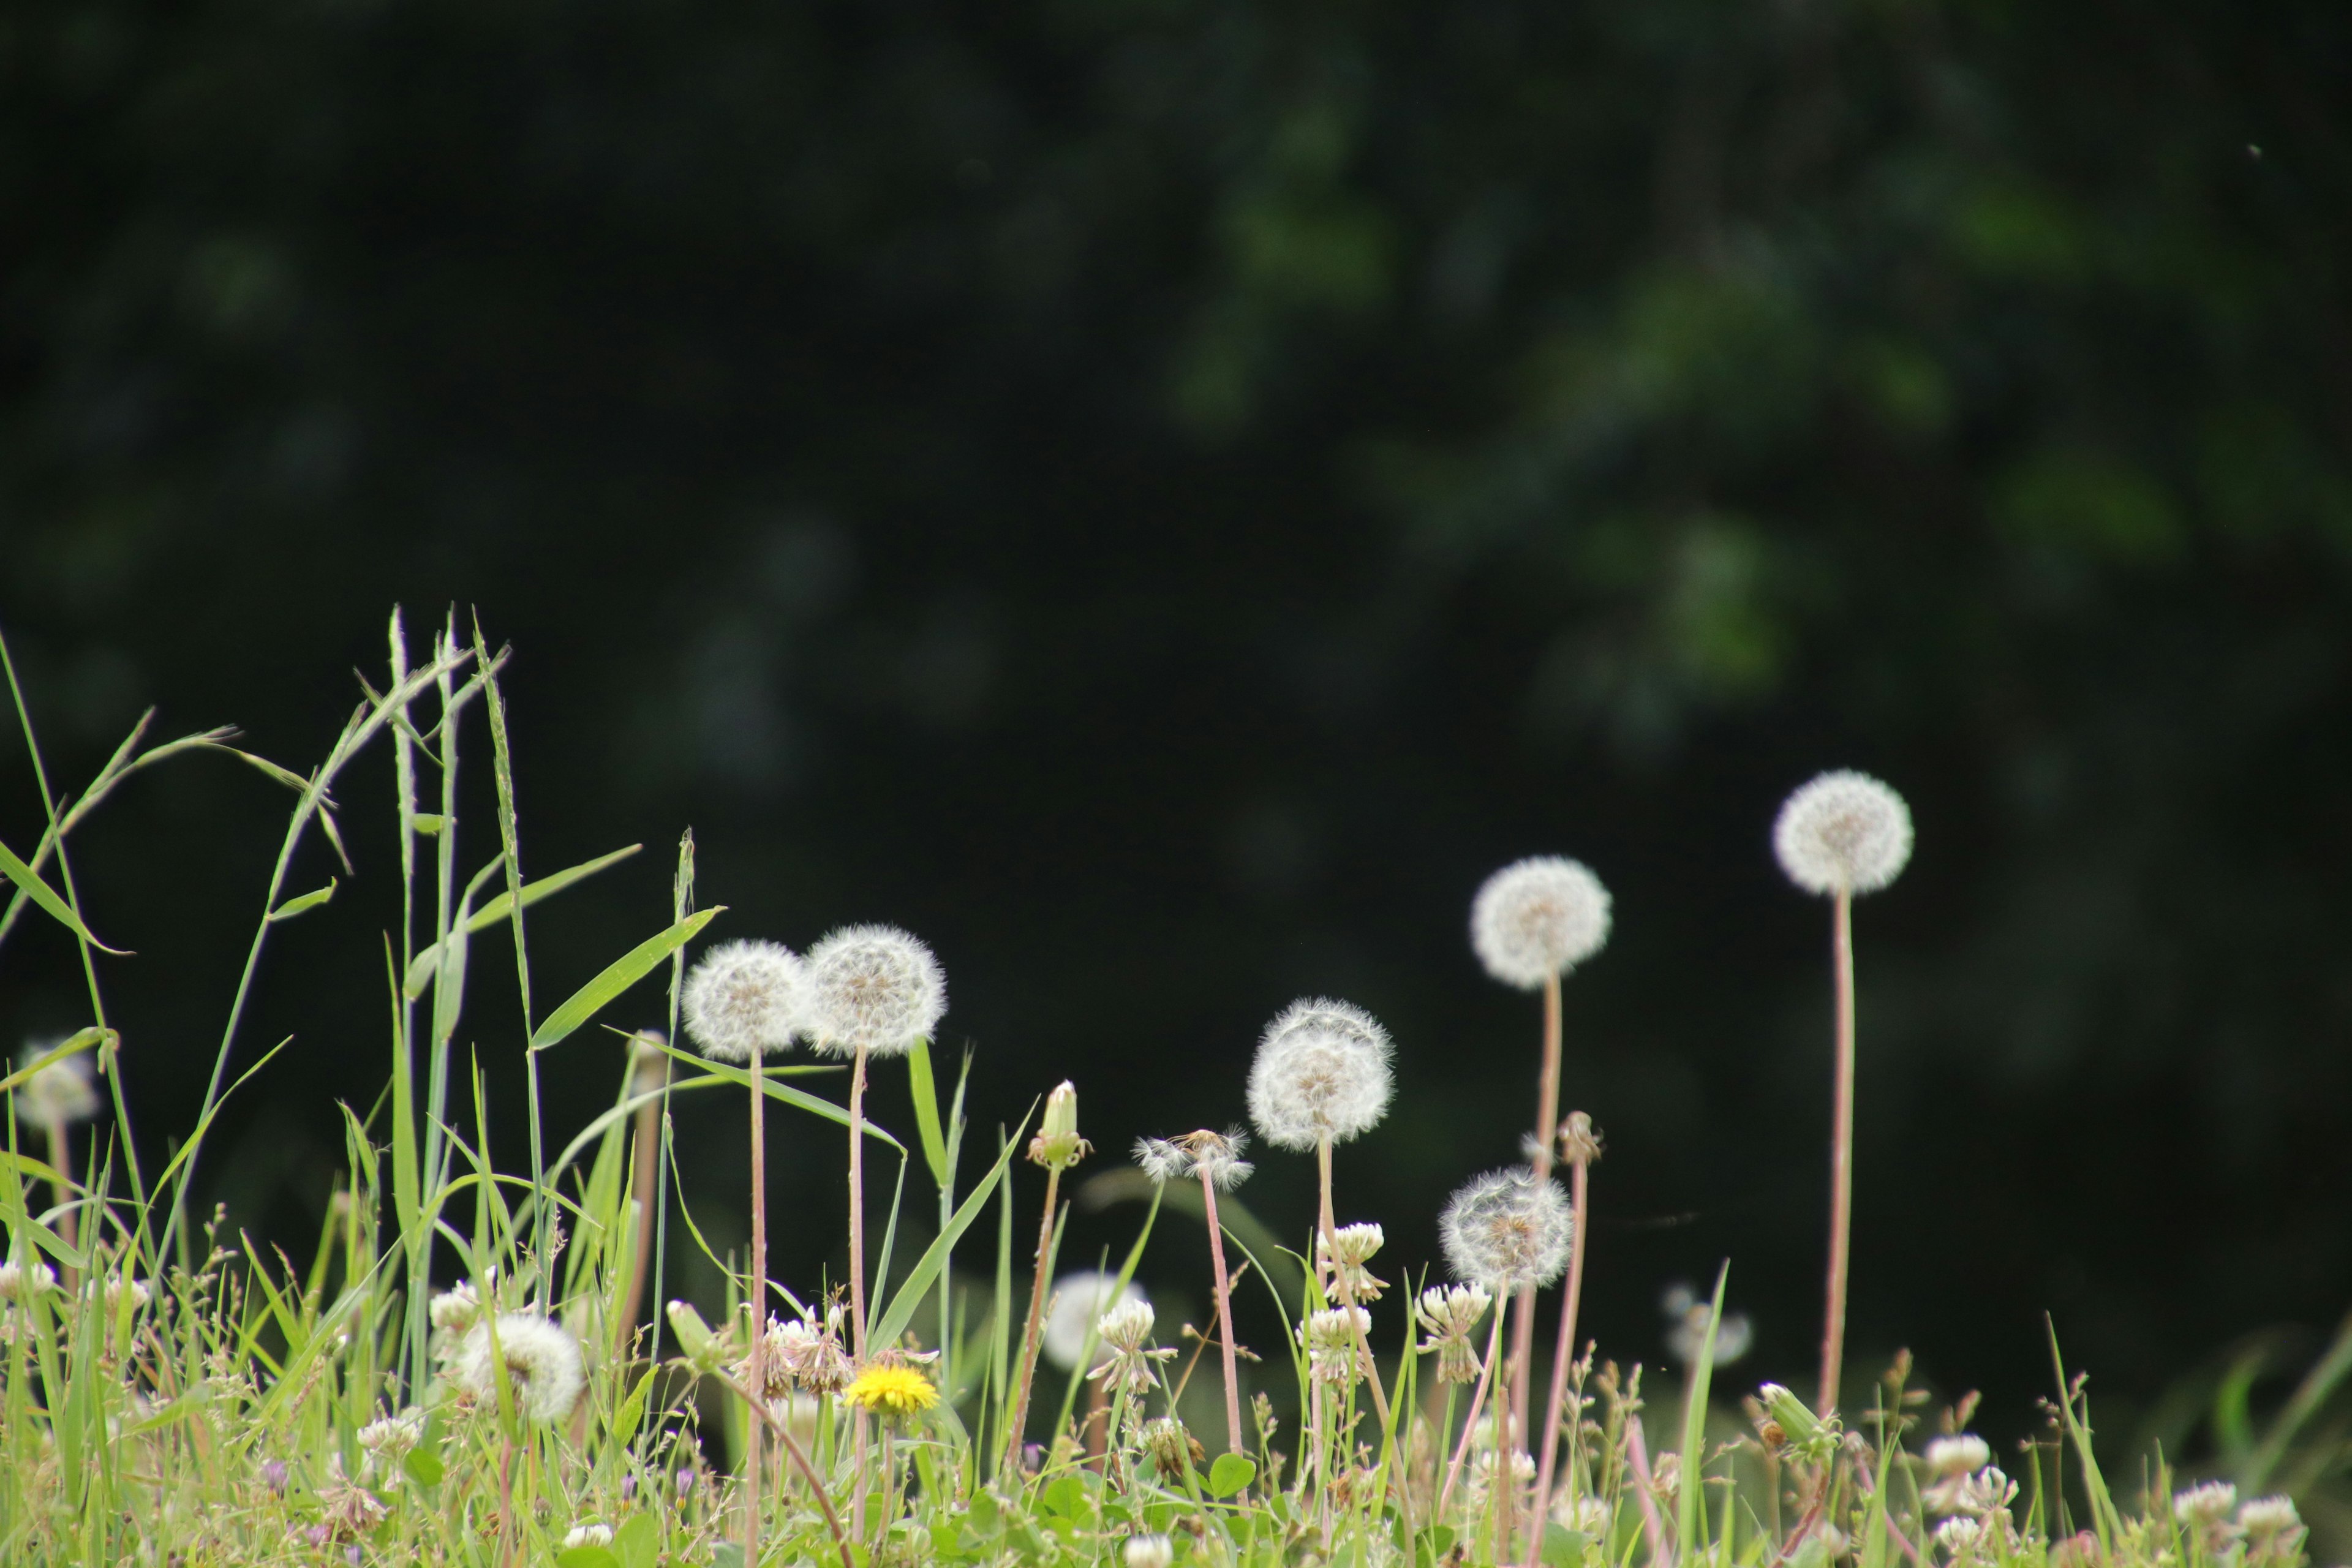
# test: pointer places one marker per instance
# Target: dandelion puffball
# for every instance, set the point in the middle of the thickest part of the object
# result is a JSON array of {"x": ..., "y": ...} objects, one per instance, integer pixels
[
  {"x": 871, "y": 988},
  {"x": 542, "y": 1365},
  {"x": 1081, "y": 1300},
  {"x": 1536, "y": 919},
  {"x": 1844, "y": 833},
  {"x": 741, "y": 1002},
  {"x": 63, "y": 1092},
  {"x": 1507, "y": 1231},
  {"x": 1322, "y": 1071}
]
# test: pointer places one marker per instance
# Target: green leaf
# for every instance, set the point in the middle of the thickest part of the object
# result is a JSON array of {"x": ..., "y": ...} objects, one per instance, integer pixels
[
  {"x": 926, "y": 1111},
  {"x": 80, "y": 1041},
  {"x": 292, "y": 907},
  {"x": 797, "y": 1099},
  {"x": 619, "y": 975},
  {"x": 588, "y": 1557},
  {"x": 632, "y": 1411},
  {"x": 637, "y": 1544},
  {"x": 1067, "y": 1497},
  {"x": 934, "y": 1257},
  {"x": 423, "y": 1469},
  {"x": 1231, "y": 1473},
  {"x": 25, "y": 877},
  {"x": 1689, "y": 1514},
  {"x": 420, "y": 969}
]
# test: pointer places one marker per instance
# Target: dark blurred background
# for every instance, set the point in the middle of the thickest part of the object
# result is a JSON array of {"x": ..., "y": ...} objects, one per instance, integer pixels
[{"x": 1160, "y": 497}]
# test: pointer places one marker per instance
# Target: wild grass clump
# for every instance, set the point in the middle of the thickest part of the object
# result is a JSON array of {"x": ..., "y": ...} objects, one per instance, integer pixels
[{"x": 463, "y": 1371}]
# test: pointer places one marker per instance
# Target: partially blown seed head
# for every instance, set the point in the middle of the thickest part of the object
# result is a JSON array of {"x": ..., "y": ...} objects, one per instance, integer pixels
[
  {"x": 1215, "y": 1155},
  {"x": 1536, "y": 918},
  {"x": 1844, "y": 833},
  {"x": 742, "y": 1002},
  {"x": 1322, "y": 1071},
  {"x": 63, "y": 1092},
  {"x": 873, "y": 988},
  {"x": 1507, "y": 1231},
  {"x": 542, "y": 1364}
]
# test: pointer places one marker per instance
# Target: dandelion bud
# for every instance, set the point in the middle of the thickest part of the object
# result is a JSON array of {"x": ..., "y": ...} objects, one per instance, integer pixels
[
  {"x": 742, "y": 1002},
  {"x": 1057, "y": 1145},
  {"x": 1535, "y": 918},
  {"x": 1356, "y": 1245},
  {"x": 64, "y": 1090},
  {"x": 872, "y": 988},
  {"x": 1842, "y": 832},
  {"x": 1958, "y": 1456},
  {"x": 1150, "y": 1552},
  {"x": 1322, "y": 1071},
  {"x": 1507, "y": 1231}
]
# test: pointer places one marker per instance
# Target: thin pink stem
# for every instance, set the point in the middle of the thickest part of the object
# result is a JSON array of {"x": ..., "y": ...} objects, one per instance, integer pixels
[
  {"x": 1840, "y": 1157},
  {"x": 1523, "y": 1329},
  {"x": 1562, "y": 1357},
  {"x": 1347, "y": 1291},
  {"x": 1224, "y": 1317},
  {"x": 1470, "y": 1424},
  {"x": 1637, "y": 1454},
  {"x": 752, "y": 1467},
  {"x": 857, "y": 1207},
  {"x": 1019, "y": 1419}
]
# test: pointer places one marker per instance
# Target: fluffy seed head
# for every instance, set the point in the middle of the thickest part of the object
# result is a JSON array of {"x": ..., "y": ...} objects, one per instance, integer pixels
[
  {"x": 741, "y": 1003},
  {"x": 1322, "y": 1071},
  {"x": 1079, "y": 1302},
  {"x": 1958, "y": 1456},
  {"x": 543, "y": 1361},
  {"x": 873, "y": 988},
  {"x": 1844, "y": 833},
  {"x": 1536, "y": 918},
  {"x": 63, "y": 1092},
  {"x": 1507, "y": 1231}
]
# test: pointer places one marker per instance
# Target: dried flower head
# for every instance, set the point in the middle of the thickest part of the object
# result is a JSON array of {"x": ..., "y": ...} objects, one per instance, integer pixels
[
  {"x": 1507, "y": 1231},
  {"x": 742, "y": 1002},
  {"x": 64, "y": 1090},
  {"x": 1356, "y": 1245},
  {"x": 1149, "y": 1552},
  {"x": 807, "y": 1353},
  {"x": 1214, "y": 1155},
  {"x": 1448, "y": 1315},
  {"x": 873, "y": 988},
  {"x": 1578, "y": 1139},
  {"x": 1322, "y": 1071},
  {"x": 1538, "y": 917},
  {"x": 1842, "y": 832},
  {"x": 1125, "y": 1333},
  {"x": 1170, "y": 1446},
  {"x": 1330, "y": 1336},
  {"x": 391, "y": 1437},
  {"x": 542, "y": 1365},
  {"x": 1958, "y": 1456},
  {"x": 899, "y": 1391},
  {"x": 1080, "y": 1301}
]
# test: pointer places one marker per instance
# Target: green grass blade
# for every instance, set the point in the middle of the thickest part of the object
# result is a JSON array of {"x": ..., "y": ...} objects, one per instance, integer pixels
[
  {"x": 47, "y": 898},
  {"x": 1693, "y": 1453},
  {"x": 618, "y": 976},
  {"x": 901, "y": 1311}
]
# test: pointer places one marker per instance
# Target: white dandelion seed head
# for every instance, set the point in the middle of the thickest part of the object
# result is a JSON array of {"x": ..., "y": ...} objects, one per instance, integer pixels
[
  {"x": 1687, "y": 1336},
  {"x": 1538, "y": 918},
  {"x": 1845, "y": 832},
  {"x": 1163, "y": 1160},
  {"x": 873, "y": 988},
  {"x": 1080, "y": 1301},
  {"x": 1958, "y": 1455},
  {"x": 1322, "y": 1071},
  {"x": 543, "y": 1372},
  {"x": 742, "y": 1001},
  {"x": 1507, "y": 1231},
  {"x": 64, "y": 1092}
]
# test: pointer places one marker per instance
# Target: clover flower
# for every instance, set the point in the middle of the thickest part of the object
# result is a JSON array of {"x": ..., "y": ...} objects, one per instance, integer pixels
[
  {"x": 589, "y": 1534},
  {"x": 1980, "y": 1494},
  {"x": 2205, "y": 1504},
  {"x": 2273, "y": 1529},
  {"x": 19, "y": 1282},
  {"x": 1355, "y": 1246},
  {"x": 1448, "y": 1314},
  {"x": 1842, "y": 832},
  {"x": 1958, "y": 1456},
  {"x": 899, "y": 1391},
  {"x": 1507, "y": 1231},
  {"x": 807, "y": 1353},
  {"x": 393, "y": 1437},
  {"x": 1331, "y": 1337},
  {"x": 1080, "y": 1301},
  {"x": 1322, "y": 1071},
  {"x": 1149, "y": 1552},
  {"x": 1961, "y": 1536},
  {"x": 1585, "y": 1515},
  {"x": 742, "y": 1002},
  {"x": 871, "y": 987},
  {"x": 1481, "y": 1481},
  {"x": 64, "y": 1090},
  {"x": 1125, "y": 1335},
  {"x": 1536, "y": 919},
  {"x": 542, "y": 1365},
  {"x": 453, "y": 1311}
]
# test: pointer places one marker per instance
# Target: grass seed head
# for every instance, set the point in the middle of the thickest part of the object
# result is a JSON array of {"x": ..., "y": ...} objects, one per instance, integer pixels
[
  {"x": 871, "y": 986},
  {"x": 1538, "y": 917},
  {"x": 1322, "y": 1071},
  {"x": 1507, "y": 1231},
  {"x": 1842, "y": 832},
  {"x": 742, "y": 1002}
]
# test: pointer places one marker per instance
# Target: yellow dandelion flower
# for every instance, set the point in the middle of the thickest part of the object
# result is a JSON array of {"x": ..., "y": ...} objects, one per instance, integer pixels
[{"x": 893, "y": 1391}]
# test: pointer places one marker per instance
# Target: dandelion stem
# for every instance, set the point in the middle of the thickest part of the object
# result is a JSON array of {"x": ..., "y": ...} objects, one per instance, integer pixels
[
  {"x": 1470, "y": 1422},
  {"x": 1224, "y": 1317},
  {"x": 1018, "y": 1420},
  {"x": 1841, "y": 1155},
  {"x": 760, "y": 1416},
  {"x": 1523, "y": 1329},
  {"x": 1347, "y": 1291},
  {"x": 1562, "y": 1355},
  {"x": 856, "y": 1206},
  {"x": 758, "y": 1313}
]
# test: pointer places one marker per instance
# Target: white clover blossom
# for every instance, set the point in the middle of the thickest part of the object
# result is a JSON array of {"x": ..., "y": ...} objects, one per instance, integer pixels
[
  {"x": 20, "y": 1283},
  {"x": 1356, "y": 1245},
  {"x": 2204, "y": 1504},
  {"x": 391, "y": 1437},
  {"x": 453, "y": 1311},
  {"x": 1980, "y": 1494},
  {"x": 589, "y": 1534},
  {"x": 64, "y": 1092},
  {"x": 1331, "y": 1336},
  {"x": 1322, "y": 1071},
  {"x": 742, "y": 1001},
  {"x": 543, "y": 1365},
  {"x": 1125, "y": 1332},
  {"x": 1507, "y": 1231},
  {"x": 1585, "y": 1515},
  {"x": 1480, "y": 1482},
  {"x": 2265, "y": 1516},
  {"x": 1961, "y": 1536},
  {"x": 1080, "y": 1301},
  {"x": 873, "y": 988},
  {"x": 1842, "y": 832},
  {"x": 1959, "y": 1455},
  {"x": 807, "y": 1353},
  {"x": 1448, "y": 1314},
  {"x": 1149, "y": 1552},
  {"x": 1538, "y": 917}
]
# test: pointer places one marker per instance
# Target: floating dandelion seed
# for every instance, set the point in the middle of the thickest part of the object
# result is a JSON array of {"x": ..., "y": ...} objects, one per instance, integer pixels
[
  {"x": 1505, "y": 1230},
  {"x": 542, "y": 1364},
  {"x": 741, "y": 1002},
  {"x": 1536, "y": 918},
  {"x": 1844, "y": 833},
  {"x": 64, "y": 1092},
  {"x": 1322, "y": 1071},
  {"x": 873, "y": 988}
]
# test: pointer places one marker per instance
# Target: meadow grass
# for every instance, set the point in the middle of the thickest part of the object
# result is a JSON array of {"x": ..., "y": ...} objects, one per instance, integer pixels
[{"x": 459, "y": 1371}]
